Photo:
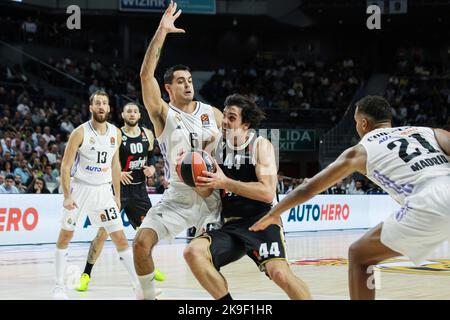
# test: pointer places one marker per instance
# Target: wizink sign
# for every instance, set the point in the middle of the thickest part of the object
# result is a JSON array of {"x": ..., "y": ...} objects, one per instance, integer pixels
[{"x": 187, "y": 6}]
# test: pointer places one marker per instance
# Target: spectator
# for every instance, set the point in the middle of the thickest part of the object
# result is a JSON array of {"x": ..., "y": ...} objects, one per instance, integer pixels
[
  {"x": 52, "y": 154},
  {"x": 23, "y": 107},
  {"x": 29, "y": 29},
  {"x": 2, "y": 179},
  {"x": 42, "y": 147},
  {"x": 7, "y": 147},
  {"x": 8, "y": 168},
  {"x": 38, "y": 186},
  {"x": 338, "y": 188},
  {"x": 8, "y": 186},
  {"x": 23, "y": 172},
  {"x": 19, "y": 185},
  {"x": 357, "y": 188},
  {"x": 66, "y": 125},
  {"x": 47, "y": 135},
  {"x": 51, "y": 181}
]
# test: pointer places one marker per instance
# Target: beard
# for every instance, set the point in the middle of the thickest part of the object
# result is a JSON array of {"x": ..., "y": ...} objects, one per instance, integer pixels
[
  {"x": 131, "y": 123},
  {"x": 100, "y": 118}
]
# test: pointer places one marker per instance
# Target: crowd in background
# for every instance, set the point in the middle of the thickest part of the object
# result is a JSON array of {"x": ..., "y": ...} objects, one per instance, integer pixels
[
  {"x": 297, "y": 90},
  {"x": 35, "y": 126}
]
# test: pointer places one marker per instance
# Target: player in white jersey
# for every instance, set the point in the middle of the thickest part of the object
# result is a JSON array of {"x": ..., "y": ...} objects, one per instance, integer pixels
[
  {"x": 176, "y": 125},
  {"x": 412, "y": 165},
  {"x": 93, "y": 157}
]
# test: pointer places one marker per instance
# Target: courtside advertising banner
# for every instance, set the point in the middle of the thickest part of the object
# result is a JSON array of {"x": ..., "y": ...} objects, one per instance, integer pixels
[
  {"x": 338, "y": 212},
  {"x": 33, "y": 219}
]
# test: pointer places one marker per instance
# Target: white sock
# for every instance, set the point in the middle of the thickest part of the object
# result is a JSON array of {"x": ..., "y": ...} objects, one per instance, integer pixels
[
  {"x": 148, "y": 286},
  {"x": 60, "y": 263},
  {"x": 126, "y": 256}
]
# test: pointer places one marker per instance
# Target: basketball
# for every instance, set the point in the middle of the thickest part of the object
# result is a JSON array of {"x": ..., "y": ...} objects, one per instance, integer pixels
[{"x": 192, "y": 165}]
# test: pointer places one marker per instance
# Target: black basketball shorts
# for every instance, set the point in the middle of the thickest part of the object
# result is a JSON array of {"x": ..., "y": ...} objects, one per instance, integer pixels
[
  {"x": 135, "y": 201},
  {"x": 234, "y": 240}
]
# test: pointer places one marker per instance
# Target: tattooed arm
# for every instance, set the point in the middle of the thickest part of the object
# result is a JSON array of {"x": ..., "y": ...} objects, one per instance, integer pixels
[{"x": 156, "y": 107}]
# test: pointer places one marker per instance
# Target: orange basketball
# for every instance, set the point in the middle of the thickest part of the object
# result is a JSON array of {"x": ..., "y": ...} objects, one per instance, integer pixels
[{"x": 193, "y": 164}]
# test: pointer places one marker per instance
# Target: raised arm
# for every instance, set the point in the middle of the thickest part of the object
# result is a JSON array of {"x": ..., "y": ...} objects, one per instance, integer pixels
[
  {"x": 151, "y": 93},
  {"x": 351, "y": 160},
  {"x": 75, "y": 141}
]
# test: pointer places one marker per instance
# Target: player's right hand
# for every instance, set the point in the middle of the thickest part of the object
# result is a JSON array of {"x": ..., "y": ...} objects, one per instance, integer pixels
[
  {"x": 167, "y": 22},
  {"x": 69, "y": 204},
  {"x": 126, "y": 178}
]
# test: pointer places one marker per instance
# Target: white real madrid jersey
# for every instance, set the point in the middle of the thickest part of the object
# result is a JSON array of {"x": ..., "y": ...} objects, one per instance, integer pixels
[
  {"x": 180, "y": 129},
  {"x": 399, "y": 159},
  {"x": 94, "y": 158}
]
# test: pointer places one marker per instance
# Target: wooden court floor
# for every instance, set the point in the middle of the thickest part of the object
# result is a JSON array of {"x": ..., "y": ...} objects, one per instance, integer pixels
[{"x": 319, "y": 258}]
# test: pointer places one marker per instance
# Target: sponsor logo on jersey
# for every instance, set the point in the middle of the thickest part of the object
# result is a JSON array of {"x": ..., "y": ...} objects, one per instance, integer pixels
[
  {"x": 96, "y": 169},
  {"x": 136, "y": 164},
  {"x": 314, "y": 212},
  {"x": 113, "y": 141},
  {"x": 91, "y": 140},
  {"x": 92, "y": 149},
  {"x": 205, "y": 120},
  {"x": 124, "y": 138}
]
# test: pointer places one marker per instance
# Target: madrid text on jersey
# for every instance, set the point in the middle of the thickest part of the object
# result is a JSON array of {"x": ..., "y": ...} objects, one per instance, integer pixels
[{"x": 438, "y": 160}]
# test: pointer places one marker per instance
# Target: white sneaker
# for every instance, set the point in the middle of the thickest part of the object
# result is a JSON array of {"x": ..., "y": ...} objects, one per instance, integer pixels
[{"x": 59, "y": 293}]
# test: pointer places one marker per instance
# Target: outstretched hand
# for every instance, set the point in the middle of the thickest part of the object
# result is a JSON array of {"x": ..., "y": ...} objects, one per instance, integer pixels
[
  {"x": 264, "y": 222},
  {"x": 167, "y": 22}
]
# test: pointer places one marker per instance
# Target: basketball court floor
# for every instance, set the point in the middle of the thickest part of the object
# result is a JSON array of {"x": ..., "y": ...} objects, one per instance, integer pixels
[{"x": 319, "y": 258}]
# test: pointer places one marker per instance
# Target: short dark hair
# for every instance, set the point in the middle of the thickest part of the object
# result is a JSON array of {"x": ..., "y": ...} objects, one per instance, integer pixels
[
  {"x": 250, "y": 112},
  {"x": 9, "y": 177},
  {"x": 130, "y": 104},
  {"x": 168, "y": 75},
  {"x": 97, "y": 93},
  {"x": 376, "y": 107}
]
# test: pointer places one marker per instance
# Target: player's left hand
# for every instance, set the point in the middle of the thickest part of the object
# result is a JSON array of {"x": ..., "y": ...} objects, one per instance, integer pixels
[
  {"x": 216, "y": 180},
  {"x": 264, "y": 222},
  {"x": 149, "y": 171}
]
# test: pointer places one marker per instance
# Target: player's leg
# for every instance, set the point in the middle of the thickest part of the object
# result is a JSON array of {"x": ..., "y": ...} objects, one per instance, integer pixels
[
  {"x": 61, "y": 254},
  {"x": 125, "y": 253},
  {"x": 69, "y": 220},
  {"x": 94, "y": 252},
  {"x": 282, "y": 275},
  {"x": 363, "y": 255},
  {"x": 143, "y": 243},
  {"x": 136, "y": 210},
  {"x": 205, "y": 255}
]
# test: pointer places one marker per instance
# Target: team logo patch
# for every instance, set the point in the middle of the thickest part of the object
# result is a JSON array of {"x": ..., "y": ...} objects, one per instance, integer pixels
[
  {"x": 124, "y": 138},
  {"x": 113, "y": 141},
  {"x": 205, "y": 119},
  {"x": 91, "y": 140},
  {"x": 103, "y": 217}
]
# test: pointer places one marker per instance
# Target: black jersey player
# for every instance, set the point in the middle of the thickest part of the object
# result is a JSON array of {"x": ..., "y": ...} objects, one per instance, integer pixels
[{"x": 247, "y": 177}]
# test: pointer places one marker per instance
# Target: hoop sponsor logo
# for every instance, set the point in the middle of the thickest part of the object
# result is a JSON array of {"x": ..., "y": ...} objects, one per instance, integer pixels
[
  {"x": 324, "y": 212},
  {"x": 13, "y": 219}
]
